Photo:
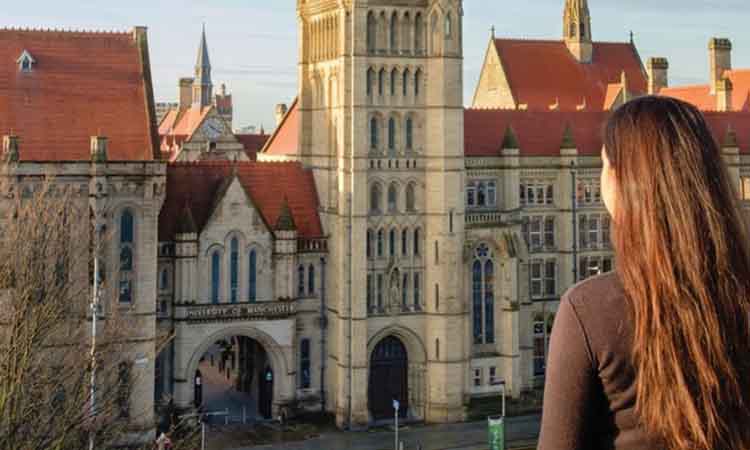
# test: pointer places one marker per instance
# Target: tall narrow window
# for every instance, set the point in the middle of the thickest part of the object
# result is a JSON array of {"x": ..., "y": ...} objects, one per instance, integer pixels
[
  {"x": 409, "y": 133},
  {"x": 234, "y": 258},
  {"x": 369, "y": 244},
  {"x": 380, "y": 243},
  {"x": 476, "y": 294},
  {"x": 410, "y": 200},
  {"x": 381, "y": 81},
  {"x": 405, "y": 242},
  {"x": 392, "y": 198},
  {"x": 394, "y": 32},
  {"x": 215, "y": 276},
  {"x": 127, "y": 266},
  {"x": 437, "y": 253},
  {"x": 405, "y": 292},
  {"x": 416, "y": 242},
  {"x": 448, "y": 26},
  {"x": 419, "y": 34},
  {"x": 481, "y": 195},
  {"x": 417, "y": 290},
  {"x": 374, "y": 131},
  {"x": 437, "y": 349},
  {"x": 573, "y": 29},
  {"x": 372, "y": 26},
  {"x": 489, "y": 302},
  {"x": 549, "y": 232},
  {"x": 304, "y": 364},
  {"x": 392, "y": 243},
  {"x": 311, "y": 280},
  {"x": 370, "y": 81},
  {"x": 394, "y": 78},
  {"x": 369, "y": 292},
  {"x": 583, "y": 30},
  {"x": 380, "y": 292},
  {"x": 164, "y": 280},
  {"x": 405, "y": 83},
  {"x": 417, "y": 82},
  {"x": 252, "y": 281},
  {"x": 301, "y": 281},
  {"x": 491, "y": 194},
  {"x": 375, "y": 198},
  {"x": 391, "y": 133}
]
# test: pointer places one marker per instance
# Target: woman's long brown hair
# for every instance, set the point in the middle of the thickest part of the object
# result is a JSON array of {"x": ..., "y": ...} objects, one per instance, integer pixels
[{"x": 684, "y": 260}]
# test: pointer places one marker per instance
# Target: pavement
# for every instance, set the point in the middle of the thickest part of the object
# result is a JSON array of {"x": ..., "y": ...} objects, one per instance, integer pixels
[
  {"x": 521, "y": 433},
  {"x": 219, "y": 394}
]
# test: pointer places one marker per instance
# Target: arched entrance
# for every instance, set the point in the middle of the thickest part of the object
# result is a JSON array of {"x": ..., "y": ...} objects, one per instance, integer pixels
[
  {"x": 232, "y": 375},
  {"x": 389, "y": 378}
]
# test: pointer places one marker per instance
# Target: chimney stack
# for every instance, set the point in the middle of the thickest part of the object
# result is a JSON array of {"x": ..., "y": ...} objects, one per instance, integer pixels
[
  {"x": 724, "y": 95},
  {"x": 10, "y": 147},
  {"x": 281, "y": 110},
  {"x": 720, "y": 59},
  {"x": 185, "y": 92},
  {"x": 98, "y": 148},
  {"x": 658, "y": 74}
]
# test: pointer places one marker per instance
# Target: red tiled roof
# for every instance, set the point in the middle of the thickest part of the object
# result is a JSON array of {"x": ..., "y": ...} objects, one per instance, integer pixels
[
  {"x": 178, "y": 125},
  {"x": 82, "y": 84},
  {"x": 540, "y": 133},
  {"x": 541, "y": 73},
  {"x": 197, "y": 184},
  {"x": 285, "y": 139},
  {"x": 253, "y": 143},
  {"x": 700, "y": 95}
]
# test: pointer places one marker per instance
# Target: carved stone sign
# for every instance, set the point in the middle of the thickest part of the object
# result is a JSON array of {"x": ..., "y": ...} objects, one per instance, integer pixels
[{"x": 248, "y": 311}]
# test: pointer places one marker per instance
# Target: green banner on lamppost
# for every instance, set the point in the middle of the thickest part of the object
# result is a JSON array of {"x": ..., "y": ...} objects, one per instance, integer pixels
[{"x": 496, "y": 428}]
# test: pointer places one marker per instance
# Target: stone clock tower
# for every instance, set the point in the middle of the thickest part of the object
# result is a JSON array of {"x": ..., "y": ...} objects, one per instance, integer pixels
[{"x": 381, "y": 123}]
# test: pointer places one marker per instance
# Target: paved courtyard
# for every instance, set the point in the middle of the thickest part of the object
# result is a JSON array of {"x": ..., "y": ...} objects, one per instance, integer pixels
[{"x": 521, "y": 433}]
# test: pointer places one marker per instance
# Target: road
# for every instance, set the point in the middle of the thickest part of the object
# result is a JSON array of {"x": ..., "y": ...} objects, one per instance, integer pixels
[{"x": 466, "y": 436}]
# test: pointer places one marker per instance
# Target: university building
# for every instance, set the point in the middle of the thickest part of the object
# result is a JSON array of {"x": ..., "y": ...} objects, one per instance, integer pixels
[{"x": 386, "y": 242}]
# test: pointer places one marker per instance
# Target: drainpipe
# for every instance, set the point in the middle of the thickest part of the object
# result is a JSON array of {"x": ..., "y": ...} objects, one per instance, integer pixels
[{"x": 323, "y": 326}]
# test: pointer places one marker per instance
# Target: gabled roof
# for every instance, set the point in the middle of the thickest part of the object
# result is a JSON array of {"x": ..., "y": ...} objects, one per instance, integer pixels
[
  {"x": 542, "y": 133},
  {"x": 179, "y": 125},
  {"x": 700, "y": 95},
  {"x": 543, "y": 72},
  {"x": 199, "y": 184},
  {"x": 83, "y": 84},
  {"x": 285, "y": 139},
  {"x": 253, "y": 143}
]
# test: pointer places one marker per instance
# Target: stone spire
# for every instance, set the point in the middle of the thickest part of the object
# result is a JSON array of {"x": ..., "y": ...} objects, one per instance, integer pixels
[
  {"x": 202, "y": 86},
  {"x": 285, "y": 222},
  {"x": 577, "y": 29}
]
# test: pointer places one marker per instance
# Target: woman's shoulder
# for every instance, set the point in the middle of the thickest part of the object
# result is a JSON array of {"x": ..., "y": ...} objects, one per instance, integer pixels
[{"x": 596, "y": 289}]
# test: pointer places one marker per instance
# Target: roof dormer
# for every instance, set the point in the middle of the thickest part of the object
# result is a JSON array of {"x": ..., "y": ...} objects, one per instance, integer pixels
[{"x": 25, "y": 62}]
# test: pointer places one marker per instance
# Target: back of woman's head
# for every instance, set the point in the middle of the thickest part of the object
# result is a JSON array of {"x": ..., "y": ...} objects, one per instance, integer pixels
[{"x": 683, "y": 257}]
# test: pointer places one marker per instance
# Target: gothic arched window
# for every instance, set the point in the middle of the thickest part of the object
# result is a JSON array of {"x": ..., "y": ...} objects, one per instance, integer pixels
[
  {"x": 405, "y": 291},
  {"x": 483, "y": 296},
  {"x": 419, "y": 33},
  {"x": 405, "y": 242},
  {"x": 381, "y": 81},
  {"x": 252, "y": 275},
  {"x": 394, "y": 32},
  {"x": 372, "y": 32},
  {"x": 417, "y": 82},
  {"x": 311, "y": 280},
  {"x": 301, "y": 281},
  {"x": 127, "y": 266},
  {"x": 369, "y": 244},
  {"x": 391, "y": 133},
  {"x": 370, "y": 80},
  {"x": 416, "y": 242},
  {"x": 392, "y": 198},
  {"x": 374, "y": 131},
  {"x": 583, "y": 30},
  {"x": 215, "y": 276},
  {"x": 409, "y": 133},
  {"x": 380, "y": 243},
  {"x": 234, "y": 262},
  {"x": 394, "y": 80},
  {"x": 392, "y": 242},
  {"x": 405, "y": 83},
  {"x": 375, "y": 198},
  {"x": 448, "y": 26},
  {"x": 410, "y": 197}
]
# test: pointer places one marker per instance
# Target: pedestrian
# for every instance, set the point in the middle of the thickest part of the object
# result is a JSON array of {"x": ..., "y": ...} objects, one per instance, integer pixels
[{"x": 654, "y": 355}]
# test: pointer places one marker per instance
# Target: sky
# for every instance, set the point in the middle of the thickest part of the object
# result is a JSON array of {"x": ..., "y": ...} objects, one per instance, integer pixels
[{"x": 253, "y": 43}]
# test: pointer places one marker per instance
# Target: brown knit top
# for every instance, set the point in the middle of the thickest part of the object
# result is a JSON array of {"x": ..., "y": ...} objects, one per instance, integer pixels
[{"x": 589, "y": 393}]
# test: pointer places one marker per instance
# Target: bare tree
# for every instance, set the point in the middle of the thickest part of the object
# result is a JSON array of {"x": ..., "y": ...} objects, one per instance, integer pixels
[{"x": 46, "y": 357}]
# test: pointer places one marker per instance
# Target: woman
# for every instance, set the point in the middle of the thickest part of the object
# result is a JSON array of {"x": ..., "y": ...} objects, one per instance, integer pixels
[{"x": 655, "y": 355}]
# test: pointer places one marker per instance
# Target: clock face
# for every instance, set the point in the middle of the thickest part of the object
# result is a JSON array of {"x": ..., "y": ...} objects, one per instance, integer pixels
[{"x": 213, "y": 128}]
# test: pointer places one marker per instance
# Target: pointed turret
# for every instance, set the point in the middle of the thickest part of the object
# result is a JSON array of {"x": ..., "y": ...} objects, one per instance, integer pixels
[
  {"x": 568, "y": 141},
  {"x": 510, "y": 141},
  {"x": 186, "y": 223},
  {"x": 202, "y": 86},
  {"x": 285, "y": 222},
  {"x": 577, "y": 29}
]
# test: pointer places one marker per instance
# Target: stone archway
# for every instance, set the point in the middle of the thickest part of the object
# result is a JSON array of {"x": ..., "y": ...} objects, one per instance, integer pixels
[
  {"x": 396, "y": 370},
  {"x": 275, "y": 364}
]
